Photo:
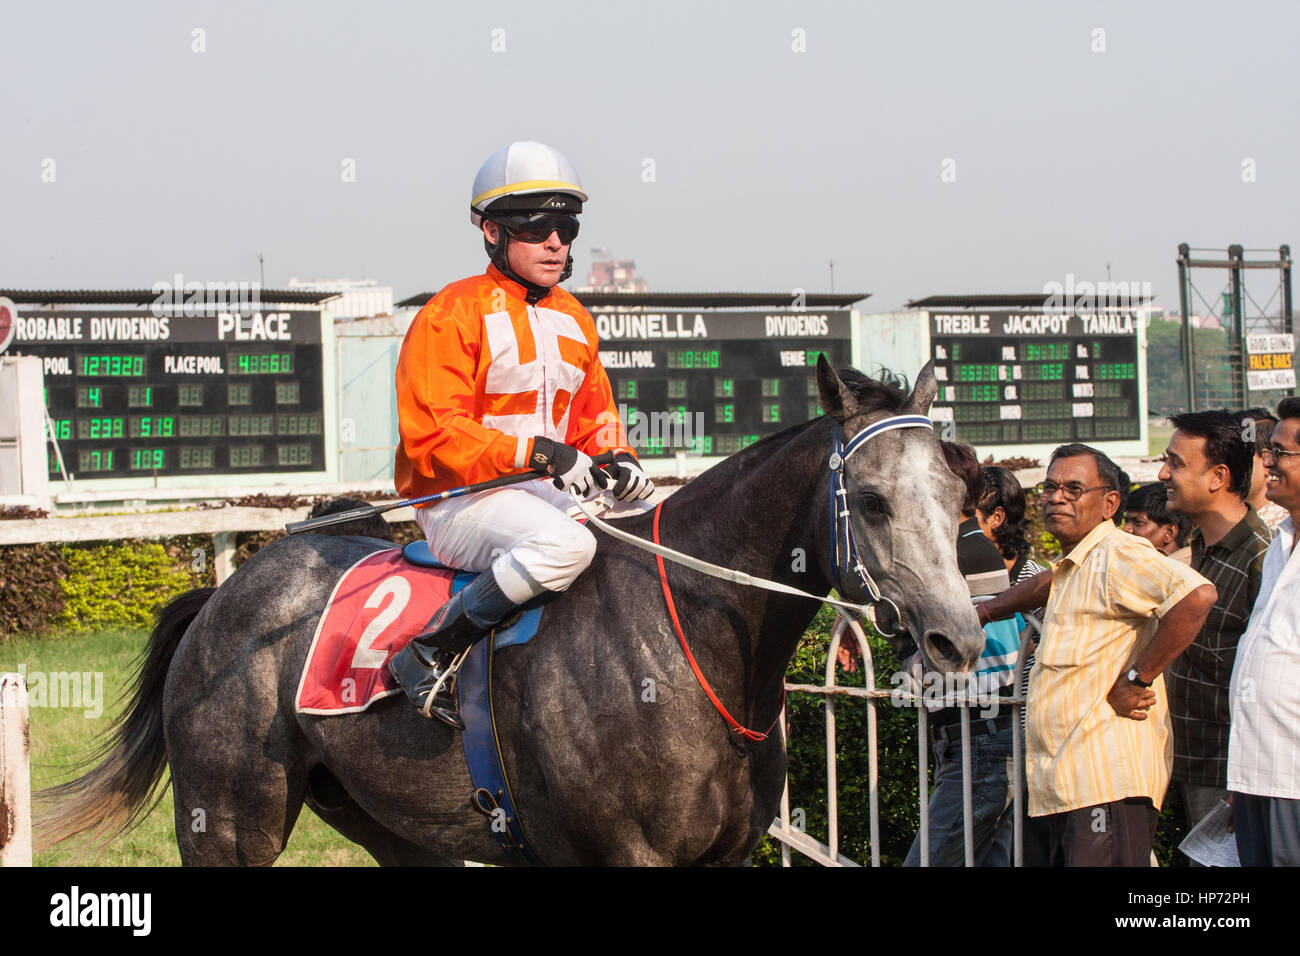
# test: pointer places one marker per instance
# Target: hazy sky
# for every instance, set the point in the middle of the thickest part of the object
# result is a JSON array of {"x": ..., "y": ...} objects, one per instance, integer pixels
[{"x": 767, "y": 161}]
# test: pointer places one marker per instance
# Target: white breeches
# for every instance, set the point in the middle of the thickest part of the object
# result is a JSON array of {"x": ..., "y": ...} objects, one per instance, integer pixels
[{"x": 522, "y": 533}]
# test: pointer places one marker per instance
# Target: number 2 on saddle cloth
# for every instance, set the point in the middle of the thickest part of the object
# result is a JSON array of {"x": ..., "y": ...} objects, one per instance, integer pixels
[{"x": 378, "y": 605}]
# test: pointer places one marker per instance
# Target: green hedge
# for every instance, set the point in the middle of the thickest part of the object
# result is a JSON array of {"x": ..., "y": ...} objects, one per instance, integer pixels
[
  {"x": 84, "y": 586},
  {"x": 119, "y": 583},
  {"x": 31, "y": 587}
]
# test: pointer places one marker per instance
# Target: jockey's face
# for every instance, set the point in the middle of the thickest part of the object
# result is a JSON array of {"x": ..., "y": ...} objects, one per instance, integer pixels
[{"x": 541, "y": 263}]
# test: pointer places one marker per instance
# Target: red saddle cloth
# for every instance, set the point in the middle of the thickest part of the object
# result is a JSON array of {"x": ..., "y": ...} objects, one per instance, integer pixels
[{"x": 378, "y": 605}]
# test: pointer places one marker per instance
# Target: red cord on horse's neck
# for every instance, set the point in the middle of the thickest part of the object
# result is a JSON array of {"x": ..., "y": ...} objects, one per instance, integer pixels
[{"x": 695, "y": 668}]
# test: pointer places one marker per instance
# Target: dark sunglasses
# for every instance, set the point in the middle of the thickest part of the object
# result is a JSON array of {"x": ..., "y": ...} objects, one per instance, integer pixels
[{"x": 538, "y": 226}]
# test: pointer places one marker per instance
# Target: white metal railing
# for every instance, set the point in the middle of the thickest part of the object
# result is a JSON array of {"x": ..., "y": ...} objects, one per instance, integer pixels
[{"x": 828, "y": 853}]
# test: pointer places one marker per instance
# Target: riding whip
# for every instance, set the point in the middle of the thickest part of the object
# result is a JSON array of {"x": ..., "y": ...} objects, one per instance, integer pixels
[{"x": 310, "y": 524}]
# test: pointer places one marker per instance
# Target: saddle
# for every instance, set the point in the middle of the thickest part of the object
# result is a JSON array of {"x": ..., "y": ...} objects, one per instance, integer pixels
[{"x": 378, "y": 605}]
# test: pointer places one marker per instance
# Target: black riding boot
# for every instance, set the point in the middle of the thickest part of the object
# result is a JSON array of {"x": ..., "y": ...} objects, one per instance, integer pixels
[{"x": 429, "y": 657}]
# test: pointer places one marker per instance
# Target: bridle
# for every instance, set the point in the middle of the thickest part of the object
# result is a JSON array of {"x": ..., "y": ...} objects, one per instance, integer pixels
[
  {"x": 843, "y": 544},
  {"x": 841, "y": 529}
]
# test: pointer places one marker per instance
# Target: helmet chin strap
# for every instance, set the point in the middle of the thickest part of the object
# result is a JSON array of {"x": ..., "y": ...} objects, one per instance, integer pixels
[{"x": 500, "y": 257}]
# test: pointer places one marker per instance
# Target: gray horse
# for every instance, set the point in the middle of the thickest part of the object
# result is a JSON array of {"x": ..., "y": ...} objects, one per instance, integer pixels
[{"x": 601, "y": 773}]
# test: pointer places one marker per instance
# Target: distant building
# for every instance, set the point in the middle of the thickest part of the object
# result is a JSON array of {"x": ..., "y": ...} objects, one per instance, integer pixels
[
  {"x": 358, "y": 298},
  {"x": 612, "y": 275}
]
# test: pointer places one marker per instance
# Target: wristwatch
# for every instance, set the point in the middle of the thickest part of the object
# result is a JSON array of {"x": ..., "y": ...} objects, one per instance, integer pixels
[{"x": 1135, "y": 679}]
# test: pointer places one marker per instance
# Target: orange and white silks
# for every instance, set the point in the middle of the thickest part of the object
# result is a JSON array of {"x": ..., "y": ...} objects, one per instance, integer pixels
[{"x": 482, "y": 372}]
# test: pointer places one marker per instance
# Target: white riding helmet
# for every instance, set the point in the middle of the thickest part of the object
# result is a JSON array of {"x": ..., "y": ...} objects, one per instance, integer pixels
[{"x": 521, "y": 170}]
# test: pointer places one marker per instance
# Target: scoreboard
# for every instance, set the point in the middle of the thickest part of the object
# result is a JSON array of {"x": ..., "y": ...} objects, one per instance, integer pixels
[
  {"x": 712, "y": 383},
  {"x": 1021, "y": 377},
  {"x": 137, "y": 394}
]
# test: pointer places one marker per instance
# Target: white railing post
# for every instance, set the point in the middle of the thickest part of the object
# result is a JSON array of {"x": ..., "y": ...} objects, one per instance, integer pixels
[
  {"x": 15, "y": 773},
  {"x": 785, "y": 795},
  {"x": 223, "y": 557},
  {"x": 832, "y": 777}
]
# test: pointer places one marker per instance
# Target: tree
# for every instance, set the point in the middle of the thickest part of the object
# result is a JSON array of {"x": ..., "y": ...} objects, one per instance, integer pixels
[{"x": 1166, "y": 383}]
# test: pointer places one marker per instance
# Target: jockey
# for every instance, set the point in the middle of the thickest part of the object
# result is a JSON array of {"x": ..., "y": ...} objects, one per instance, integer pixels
[{"x": 499, "y": 373}]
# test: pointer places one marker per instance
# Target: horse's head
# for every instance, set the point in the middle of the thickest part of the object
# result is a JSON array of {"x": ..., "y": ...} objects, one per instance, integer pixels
[{"x": 904, "y": 505}]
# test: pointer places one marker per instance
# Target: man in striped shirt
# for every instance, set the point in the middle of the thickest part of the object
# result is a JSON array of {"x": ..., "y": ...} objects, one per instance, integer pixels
[{"x": 1098, "y": 749}]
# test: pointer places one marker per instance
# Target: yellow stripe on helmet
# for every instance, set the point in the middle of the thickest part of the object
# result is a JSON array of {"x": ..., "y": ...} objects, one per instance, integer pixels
[{"x": 530, "y": 185}]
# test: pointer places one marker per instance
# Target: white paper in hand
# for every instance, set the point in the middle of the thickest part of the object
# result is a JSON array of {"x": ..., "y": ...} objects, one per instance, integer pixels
[{"x": 1211, "y": 843}]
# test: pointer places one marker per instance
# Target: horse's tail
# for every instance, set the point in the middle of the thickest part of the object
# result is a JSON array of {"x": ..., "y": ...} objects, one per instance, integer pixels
[{"x": 114, "y": 796}]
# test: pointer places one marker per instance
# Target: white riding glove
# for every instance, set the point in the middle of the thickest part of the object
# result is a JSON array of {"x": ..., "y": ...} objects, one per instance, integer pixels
[
  {"x": 571, "y": 469},
  {"x": 630, "y": 482}
]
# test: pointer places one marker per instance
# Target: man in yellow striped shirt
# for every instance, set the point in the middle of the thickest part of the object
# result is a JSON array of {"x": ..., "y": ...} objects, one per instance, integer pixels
[{"x": 1099, "y": 749}]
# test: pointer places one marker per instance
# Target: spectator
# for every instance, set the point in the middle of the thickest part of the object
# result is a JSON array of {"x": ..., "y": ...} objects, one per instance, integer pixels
[
  {"x": 1264, "y": 747},
  {"x": 1272, "y": 513},
  {"x": 1148, "y": 516},
  {"x": 1207, "y": 474},
  {"x": 1098, "y": 749},
  {"x": 1001, "y": 514},
  {"x": 991, "y": 741}
]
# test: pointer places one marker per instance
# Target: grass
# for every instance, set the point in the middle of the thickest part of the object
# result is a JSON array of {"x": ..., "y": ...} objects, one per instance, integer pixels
[{"x": 63, "y": 735}]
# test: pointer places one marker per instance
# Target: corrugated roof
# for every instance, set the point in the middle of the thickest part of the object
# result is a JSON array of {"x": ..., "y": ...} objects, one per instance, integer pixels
[
  {"x": 1014, "y": 300},
  {"x": 147, "y": 296},
  {"x": 693, "y": 300}
]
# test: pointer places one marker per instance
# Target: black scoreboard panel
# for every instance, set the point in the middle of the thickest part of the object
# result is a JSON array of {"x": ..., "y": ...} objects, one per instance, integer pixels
[
  {"x": 713, "y": 383},
  {"x": 185, "y": 396},
  {"x": 1008, "y": 378}
]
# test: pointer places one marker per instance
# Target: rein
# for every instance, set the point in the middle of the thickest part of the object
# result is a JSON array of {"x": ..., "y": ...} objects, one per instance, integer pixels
[
  {"x": 695, "y": 668},
  {"x": 840, "y": 526}
]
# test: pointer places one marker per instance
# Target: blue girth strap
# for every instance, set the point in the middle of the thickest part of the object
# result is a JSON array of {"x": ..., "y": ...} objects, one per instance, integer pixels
[{"x": 491, "y": 796}]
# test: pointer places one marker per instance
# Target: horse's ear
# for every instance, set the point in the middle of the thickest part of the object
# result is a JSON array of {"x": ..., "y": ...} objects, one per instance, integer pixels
[
  {"x": 925, "y": 390},
  {"x": 837, "y": 401}
]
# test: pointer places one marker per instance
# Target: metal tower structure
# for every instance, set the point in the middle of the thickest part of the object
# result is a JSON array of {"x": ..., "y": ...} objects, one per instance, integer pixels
[{"x": 1256, "y": 366}]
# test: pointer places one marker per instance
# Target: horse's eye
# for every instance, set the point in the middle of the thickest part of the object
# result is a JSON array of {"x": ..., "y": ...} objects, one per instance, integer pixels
[{"x": 872, "y": 504}]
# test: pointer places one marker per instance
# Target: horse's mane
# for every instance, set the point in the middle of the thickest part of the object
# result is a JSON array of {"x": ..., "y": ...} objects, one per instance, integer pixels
[{"x": 887, "y": 393}]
